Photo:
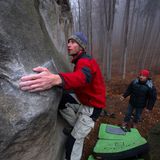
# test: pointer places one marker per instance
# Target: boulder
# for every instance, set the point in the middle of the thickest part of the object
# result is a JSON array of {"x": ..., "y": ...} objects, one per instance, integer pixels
[{"x": 30, "y": 128}]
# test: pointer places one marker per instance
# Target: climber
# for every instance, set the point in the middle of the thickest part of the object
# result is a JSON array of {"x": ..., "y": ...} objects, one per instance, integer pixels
[{"x": 88, "y": 85}]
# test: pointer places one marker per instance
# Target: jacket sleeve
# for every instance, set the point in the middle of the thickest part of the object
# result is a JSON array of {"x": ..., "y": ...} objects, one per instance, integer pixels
[
  {"x": 128, "y": 91},
  {"x": 152, "y": 98},
  {"x": 78, "y": 78}
]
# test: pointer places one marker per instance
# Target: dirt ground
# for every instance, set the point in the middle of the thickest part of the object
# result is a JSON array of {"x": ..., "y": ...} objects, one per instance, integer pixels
[{"x": 114, "y": 89}]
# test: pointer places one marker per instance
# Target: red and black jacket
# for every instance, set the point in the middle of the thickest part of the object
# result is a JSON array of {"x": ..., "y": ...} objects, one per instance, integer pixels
[{"x": 87, "y": 81}]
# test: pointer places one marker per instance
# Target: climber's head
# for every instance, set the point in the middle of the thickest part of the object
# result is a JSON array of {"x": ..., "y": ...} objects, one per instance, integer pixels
[{"x": 77, "y": 42}]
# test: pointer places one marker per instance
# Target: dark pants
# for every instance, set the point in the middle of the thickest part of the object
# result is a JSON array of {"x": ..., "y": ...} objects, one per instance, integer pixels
[{"x": 137, "y": 114}]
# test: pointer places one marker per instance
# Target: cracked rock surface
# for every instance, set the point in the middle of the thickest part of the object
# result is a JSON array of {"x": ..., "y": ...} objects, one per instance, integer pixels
[{"x": 30, "y": 128}]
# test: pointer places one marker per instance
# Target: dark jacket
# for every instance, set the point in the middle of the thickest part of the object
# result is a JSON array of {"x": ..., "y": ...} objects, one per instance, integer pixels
[
  {"x": 87, "y": 82},
  {"x": 142, "y": 94}
]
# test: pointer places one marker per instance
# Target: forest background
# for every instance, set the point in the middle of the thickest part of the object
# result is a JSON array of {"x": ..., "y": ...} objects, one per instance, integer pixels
[{"x": 123, "y": 35}]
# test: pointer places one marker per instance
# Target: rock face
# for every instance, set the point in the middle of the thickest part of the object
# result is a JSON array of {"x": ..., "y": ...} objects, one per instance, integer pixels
[
  {"x": 29, "y": 126},
  {"x": 154, "y": 141}
]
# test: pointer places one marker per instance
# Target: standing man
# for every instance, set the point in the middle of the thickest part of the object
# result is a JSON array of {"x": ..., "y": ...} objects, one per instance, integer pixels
[
  {"x": 142, "y": 95},
  {"x": 88, "y": 84}
]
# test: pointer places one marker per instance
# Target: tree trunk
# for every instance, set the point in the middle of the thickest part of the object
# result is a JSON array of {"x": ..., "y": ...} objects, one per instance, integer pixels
[
  {"x": 125, "y": 49},
  {"x": 79, "y": 18}
]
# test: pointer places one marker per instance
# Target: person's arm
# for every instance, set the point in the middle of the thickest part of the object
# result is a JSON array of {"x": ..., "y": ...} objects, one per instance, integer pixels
[
  {"x": 41, "y": 81},
  {"x": 79, "y": 78},
  {"x": 128, "y": 91},
  {"x": 152, "y": 97}
]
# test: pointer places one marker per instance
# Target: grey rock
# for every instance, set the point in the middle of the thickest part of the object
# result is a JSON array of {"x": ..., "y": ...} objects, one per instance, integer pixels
[{"x": 29, "y": 126}]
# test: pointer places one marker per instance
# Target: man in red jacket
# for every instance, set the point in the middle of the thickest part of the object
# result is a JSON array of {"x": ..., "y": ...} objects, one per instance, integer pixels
[{"x": 88, "y": 85}]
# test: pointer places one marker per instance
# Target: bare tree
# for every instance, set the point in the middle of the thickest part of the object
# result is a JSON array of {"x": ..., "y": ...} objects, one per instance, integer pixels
[
  {"x": 79, "y": 19},
  {"x": 109, "y": 11},
  {"x": 125, "y": 35}
]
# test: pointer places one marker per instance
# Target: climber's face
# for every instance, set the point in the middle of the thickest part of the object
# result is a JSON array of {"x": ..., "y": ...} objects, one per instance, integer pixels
[{"x": 73, "y": 47}]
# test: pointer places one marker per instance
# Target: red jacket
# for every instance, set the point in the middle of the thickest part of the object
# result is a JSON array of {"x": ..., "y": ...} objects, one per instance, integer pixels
[{"x": 87, "y": 82}]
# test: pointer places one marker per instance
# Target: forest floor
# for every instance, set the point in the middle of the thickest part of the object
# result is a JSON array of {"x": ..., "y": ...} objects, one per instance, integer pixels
[{"x": 115, "y": 88}]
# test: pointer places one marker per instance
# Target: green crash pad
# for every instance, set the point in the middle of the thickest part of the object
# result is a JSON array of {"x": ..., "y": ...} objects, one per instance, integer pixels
[
  {"x": 114, "y": 143},
  {"x": 92, "y": 158}
]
